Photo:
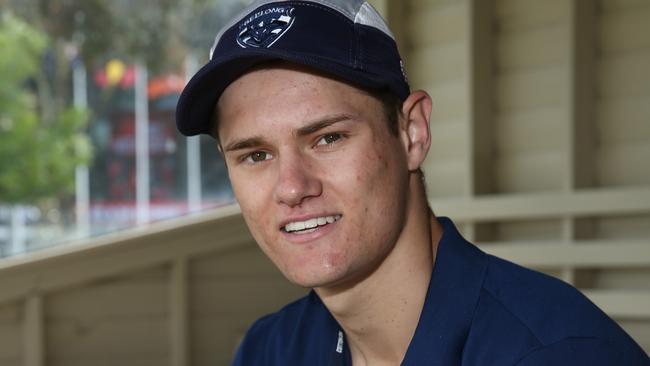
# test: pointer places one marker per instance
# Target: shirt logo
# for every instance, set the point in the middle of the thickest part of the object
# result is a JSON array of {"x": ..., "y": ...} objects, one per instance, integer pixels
[
  {"x": 339, "y": 343},
  {"x": 264, "y": 27}
]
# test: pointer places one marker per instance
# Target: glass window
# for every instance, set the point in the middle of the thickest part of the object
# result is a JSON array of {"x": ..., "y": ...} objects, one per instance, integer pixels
[{"x": 88, "y": 92}]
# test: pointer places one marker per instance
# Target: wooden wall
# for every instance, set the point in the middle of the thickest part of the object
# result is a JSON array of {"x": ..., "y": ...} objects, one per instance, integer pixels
[
  {"x": 541, "y": 143},
  {"x": 168, "y": 294},
  {"x": 541, "y": 135}
]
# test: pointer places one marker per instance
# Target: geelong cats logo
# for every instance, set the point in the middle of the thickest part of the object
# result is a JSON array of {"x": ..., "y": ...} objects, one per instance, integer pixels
[{"x": 264, "y": 27}]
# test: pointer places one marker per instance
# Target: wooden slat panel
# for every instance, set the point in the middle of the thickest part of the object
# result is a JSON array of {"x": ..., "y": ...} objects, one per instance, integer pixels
[
  {"x": 449, "y": 101},
  {"x": 580, "y": 254},
  {"x": 144, "y": 360},
  {"x": 436, "y": 25},
  {"x": 635, "y": 227},
  {"x": 532, "y": 48},
  {"x": 531, "y": 130},
  {"x": 625, "y": 75},
  {"x": 527, "y": 231},
  {"x": 437, "y": 63},
  {"x": 619, "y": 201},
  {"x": 11, "y": 334},
  {"x": 612, "y": 6},
  {"x": 109, "y": 339},
  {"x": 50, "y": 270},
  {"x": 229, "y": 291},
  {"x": 622, "y": 304},
  {"x": 624, "y": 165},
  {"x": 625, "y": 32},
  {"x": 445, "y": 179},
  {"x": 530, "y": 172},
  {"x": 417, "y": 6},
  {"x": 526, "y": 14},
  {"x": 246, "y": 262},
  {"x": 607, "y": 278},
  {"x": 259, "y": 296},
  {"x": 448, "y": 141},
  {"x": 222, "y": 310},
  {"x": 542, "y": 87},
  {"x": 623, "y": 120},
  {"x": 114, "y": 319},
  {"x": 112, "y": 298}
]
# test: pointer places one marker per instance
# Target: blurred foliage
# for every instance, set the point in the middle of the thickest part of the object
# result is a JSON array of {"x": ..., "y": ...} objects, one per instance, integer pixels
[
  {"x": 41, "y": 138},
  {"x": 158, "y": 33},
  {"x": 38, "y": 151}
]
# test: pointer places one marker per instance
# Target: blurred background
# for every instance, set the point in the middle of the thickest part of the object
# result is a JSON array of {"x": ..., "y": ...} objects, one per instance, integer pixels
[{"x": 120, "y": 242}]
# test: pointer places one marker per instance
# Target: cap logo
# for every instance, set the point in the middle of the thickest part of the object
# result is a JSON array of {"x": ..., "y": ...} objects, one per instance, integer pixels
[{"x": 264, "y": 27}]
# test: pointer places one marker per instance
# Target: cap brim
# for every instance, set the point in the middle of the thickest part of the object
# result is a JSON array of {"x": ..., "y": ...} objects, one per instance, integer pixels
[{"x": 198, "y": 100}]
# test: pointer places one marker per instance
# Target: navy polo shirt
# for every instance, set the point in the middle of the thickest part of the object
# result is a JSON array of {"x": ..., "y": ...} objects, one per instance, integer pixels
[{"x": 479, "y": 310}]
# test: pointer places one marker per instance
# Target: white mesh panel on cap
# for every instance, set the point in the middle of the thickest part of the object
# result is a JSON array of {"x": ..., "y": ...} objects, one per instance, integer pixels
[
  {"x": 358, "y": 11},
  {"x": 367, "y": 15}
]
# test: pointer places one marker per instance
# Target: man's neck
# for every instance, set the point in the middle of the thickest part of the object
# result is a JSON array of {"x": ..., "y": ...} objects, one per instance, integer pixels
[{"x": 380, "y": 313}]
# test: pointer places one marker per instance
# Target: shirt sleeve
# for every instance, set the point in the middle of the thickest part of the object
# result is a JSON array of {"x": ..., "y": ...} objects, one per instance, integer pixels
[{"x": 582, "y": 351}]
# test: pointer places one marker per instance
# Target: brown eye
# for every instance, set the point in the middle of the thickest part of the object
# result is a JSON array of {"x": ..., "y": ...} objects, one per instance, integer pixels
[
  {"x": 328, "y": 139},
  {"x": 258, "y": 156}
]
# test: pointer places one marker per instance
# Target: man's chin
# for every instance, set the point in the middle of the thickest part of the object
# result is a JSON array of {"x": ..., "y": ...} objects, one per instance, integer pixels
[{"x": 315, "y": 281}]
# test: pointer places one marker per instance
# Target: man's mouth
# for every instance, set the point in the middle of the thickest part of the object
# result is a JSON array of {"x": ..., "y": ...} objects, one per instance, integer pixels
[{"x": 309, "y": 226}]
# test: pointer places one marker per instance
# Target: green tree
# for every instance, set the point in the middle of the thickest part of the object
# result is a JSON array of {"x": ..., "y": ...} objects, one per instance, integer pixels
[{"x": 38, "y": 151}]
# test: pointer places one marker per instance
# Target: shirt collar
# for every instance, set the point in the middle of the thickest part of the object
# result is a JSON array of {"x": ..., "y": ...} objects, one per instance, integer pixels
[{"x": 452, "y": 296}]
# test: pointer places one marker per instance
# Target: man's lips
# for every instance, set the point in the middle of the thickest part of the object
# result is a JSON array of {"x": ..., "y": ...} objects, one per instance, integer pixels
[{"x": 309, "y": 224}]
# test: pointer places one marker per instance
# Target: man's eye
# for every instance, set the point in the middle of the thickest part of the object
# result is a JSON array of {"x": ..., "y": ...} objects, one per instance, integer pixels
[
  {"x": 258, "y": 156},
  {"x": 329, "y": 138}
]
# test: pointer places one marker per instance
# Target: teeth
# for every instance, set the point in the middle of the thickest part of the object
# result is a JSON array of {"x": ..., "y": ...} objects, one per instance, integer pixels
[{"x": 311, "y": 224}]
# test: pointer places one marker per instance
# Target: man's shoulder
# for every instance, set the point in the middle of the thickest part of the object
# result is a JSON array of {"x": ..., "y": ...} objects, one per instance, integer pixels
[
  {"x": 540, "y": 316},
  {"x": 547, "y": 305},
  {"x": 287, "y": 335}
]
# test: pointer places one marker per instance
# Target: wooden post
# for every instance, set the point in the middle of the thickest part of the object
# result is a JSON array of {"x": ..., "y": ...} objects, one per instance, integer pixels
[
  {"x": 480, "y": 80},
  {"x": 33, "y": 350},
  {"x": 179, "y": 324},
  {"x": 580, "y": 107}
]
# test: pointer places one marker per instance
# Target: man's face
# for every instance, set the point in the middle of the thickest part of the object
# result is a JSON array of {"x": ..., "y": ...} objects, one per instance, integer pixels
[{"x": 321, "y": 181}]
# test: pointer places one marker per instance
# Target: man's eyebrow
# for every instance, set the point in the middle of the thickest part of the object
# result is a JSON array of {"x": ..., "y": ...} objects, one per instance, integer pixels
[
  {"x": 320, "y": 124},
  {"x": 251, "y": 142},
  {"x": 242, "y": 144}
]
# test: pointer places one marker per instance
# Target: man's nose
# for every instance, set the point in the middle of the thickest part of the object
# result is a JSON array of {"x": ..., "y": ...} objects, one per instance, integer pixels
[{"x": 296, "y": 180}]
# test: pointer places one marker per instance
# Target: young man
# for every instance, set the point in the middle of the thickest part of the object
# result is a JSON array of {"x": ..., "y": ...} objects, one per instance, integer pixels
[{"x": 324, "y": 140}]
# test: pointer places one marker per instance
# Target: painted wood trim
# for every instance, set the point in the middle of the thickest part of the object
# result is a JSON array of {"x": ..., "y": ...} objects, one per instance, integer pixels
[
  {"x": 179, "y": 314},
  {"x": 581, "y": 106},
  {"x": 123, "y": 253},
  {"x": 622, "y": 304},
  {"x": 582, "y": 254},
  {"x": 480, "y": 79},
  {"x": 34, "y": 348},
  {"x": 591, "y": 202}
]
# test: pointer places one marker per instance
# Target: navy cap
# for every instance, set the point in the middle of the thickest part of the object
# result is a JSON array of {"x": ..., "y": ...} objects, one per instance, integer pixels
[{"x": 345, "y": 38}]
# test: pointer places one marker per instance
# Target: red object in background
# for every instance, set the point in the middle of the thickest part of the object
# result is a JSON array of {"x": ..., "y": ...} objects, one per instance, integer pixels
[
  {"x": 165, "y": 85},
  {"x": 100, "y": 78},
  {"x": 128, "y": 80}
]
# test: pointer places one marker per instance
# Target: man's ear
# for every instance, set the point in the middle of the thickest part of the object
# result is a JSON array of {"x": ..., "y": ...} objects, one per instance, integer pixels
[{"x": 414, "y": 131}]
